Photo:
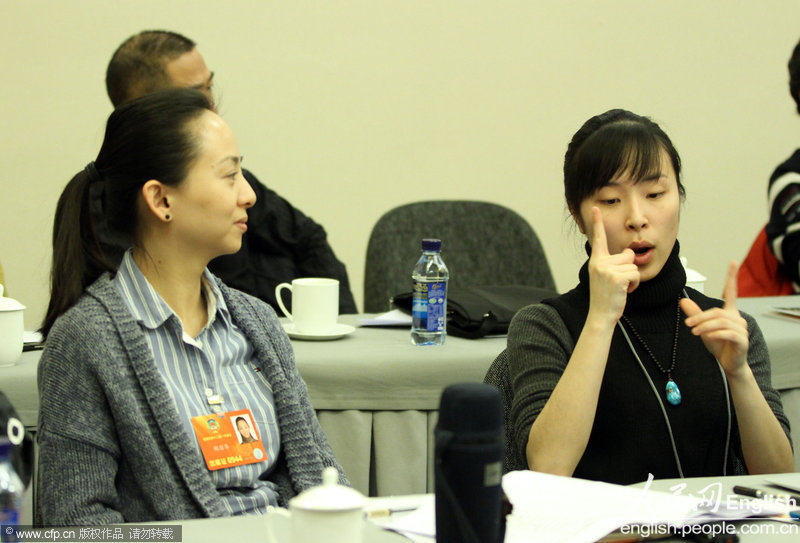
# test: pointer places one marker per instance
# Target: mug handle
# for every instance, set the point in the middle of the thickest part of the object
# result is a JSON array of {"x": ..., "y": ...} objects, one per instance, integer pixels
[{"x": 278, "y": 290}]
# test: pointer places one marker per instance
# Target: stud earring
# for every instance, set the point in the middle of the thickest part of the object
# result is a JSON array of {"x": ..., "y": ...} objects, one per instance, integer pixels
[{"x": 167, "y": 216}]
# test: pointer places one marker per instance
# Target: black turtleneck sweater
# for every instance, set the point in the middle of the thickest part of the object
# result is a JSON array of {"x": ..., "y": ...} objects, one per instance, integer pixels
[{"x": 631, "y": 437}]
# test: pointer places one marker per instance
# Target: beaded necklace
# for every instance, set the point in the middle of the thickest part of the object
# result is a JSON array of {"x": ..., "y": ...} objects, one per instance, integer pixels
[{"x": 672, "y": 391}]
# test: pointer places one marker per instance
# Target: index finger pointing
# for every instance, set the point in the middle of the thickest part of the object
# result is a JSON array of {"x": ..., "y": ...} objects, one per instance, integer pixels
[
  {"x": 731, "y": 292},
  {"x": 599, "y": 241}
]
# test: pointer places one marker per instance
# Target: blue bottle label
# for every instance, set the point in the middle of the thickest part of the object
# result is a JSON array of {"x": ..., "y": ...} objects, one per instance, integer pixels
[
  {"x": 9, "y": 518},
  {"x": 428, "y": 307}
]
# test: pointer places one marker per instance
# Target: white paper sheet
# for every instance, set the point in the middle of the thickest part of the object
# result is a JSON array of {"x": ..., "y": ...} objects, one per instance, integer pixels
[
  {"x": 394, "y": 317},
  {"x": 788, "y": 311},
  {"x": 568, "y": 510},
  {"x": 421, "y": 522},
  {"x": 564, "y": 509},
  {"x": 31, "y": 336},
  {"x": 789, "y": 482}
]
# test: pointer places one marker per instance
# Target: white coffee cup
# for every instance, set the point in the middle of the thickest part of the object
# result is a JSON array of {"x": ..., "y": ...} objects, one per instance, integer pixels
[
  {"x": 694, "y": 278},
  {"x": 330, "y": 512},
  {"x": 315, "y": 304},
  {"x": 12, "y": 327}
]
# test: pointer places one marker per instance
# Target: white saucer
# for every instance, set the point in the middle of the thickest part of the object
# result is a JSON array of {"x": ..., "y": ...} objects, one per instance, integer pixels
[{"x": 340, "y": 330}]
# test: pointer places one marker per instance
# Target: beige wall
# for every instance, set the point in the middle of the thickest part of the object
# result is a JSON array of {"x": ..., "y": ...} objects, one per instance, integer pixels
[{"x": 350, "y": 108}]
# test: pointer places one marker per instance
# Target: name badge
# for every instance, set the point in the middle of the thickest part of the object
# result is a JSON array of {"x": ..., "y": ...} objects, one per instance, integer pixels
[{"x": 228, "y": 439}]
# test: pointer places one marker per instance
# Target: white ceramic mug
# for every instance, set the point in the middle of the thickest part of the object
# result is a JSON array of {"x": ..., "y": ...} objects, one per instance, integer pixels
[
  {"x": 694, "y": 278},
  {"x": 315, "y": 304},
  {"x": 12, "y": 327},
  {"x": 330, "y": 512}
]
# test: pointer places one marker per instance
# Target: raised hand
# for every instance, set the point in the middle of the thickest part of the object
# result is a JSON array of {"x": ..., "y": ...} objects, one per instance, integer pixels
[
  {"x": 723, "y": 330},
  {"x": 611, "y": 277}
]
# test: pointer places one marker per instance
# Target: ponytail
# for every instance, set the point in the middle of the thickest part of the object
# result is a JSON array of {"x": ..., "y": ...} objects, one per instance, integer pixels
[
  {"x": 150, "y": 137},
  {"x": 77, "y": 256}
]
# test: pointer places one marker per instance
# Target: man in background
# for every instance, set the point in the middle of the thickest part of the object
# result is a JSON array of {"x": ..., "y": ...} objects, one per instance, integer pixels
[
  {"x": 281, "y": 243},
  {"x": 783, "y": 228}
]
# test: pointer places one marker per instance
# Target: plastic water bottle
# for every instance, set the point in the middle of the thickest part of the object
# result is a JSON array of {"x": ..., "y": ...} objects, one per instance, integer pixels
[
  {"x": 429, "y": 307},
  {"x": 11, "y": 491}
]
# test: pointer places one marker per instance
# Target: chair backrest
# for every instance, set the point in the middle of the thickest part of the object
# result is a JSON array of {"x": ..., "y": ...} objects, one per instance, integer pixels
[
  {"x": 482, "y": 244},
  {"x": 497, "y": 376}
]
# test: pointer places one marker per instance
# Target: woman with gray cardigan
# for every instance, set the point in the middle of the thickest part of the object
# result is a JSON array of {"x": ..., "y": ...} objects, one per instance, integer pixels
[{"x": 146, "y": 366}]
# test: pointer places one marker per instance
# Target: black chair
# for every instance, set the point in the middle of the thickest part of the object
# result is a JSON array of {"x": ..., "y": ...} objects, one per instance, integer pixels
[
  {"x": 482, "y": 244},
  {"x": 497, "y": 376}
]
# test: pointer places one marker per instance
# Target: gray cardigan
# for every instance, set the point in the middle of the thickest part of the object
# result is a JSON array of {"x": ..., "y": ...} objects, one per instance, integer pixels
[{"x": 111, "y": 446}]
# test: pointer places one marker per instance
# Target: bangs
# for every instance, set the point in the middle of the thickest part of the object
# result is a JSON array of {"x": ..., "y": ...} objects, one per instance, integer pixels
[
  {"x": 615, "y": 149},
  {"x": 613, "y": 144},
  {"x": 642, "y": 159}
]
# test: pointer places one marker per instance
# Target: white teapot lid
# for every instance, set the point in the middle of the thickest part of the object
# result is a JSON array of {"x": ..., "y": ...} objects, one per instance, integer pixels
[
  {"x": 9, "y": 304},
  {"x": 329, "y": 496}
]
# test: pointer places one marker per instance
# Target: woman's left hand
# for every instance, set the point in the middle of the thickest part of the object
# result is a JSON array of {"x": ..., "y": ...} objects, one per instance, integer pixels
[{"x": 723, "y": 330}]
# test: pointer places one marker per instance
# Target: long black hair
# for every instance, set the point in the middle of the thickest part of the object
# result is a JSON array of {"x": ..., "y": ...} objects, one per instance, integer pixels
[
  {"x": 148, "y": 138},
  {"x": 609, "y": 144}
]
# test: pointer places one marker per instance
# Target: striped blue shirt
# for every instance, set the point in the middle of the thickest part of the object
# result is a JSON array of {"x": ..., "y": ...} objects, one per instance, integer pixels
[{"x": 217, "y": 362}]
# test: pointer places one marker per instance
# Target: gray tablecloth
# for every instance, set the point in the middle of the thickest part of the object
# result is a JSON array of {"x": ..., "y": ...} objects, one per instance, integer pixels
[
  {"x": 377, "y": 395},
  {"x": 782, "y": 334}
]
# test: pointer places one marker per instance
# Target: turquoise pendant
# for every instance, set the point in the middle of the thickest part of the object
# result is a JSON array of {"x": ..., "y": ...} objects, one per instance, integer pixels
[{"x": 673, "y": 393}]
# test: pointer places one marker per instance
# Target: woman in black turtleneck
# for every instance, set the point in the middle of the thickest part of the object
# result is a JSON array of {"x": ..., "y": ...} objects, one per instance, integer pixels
[{"x": 632, "y": 373}]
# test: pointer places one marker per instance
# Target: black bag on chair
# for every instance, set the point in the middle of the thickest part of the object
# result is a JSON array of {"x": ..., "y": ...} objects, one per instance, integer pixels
[{"x": 475, "y": 312}]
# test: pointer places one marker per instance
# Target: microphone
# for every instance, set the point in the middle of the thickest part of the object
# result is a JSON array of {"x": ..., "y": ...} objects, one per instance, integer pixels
[{"x": 468, "y": 465}]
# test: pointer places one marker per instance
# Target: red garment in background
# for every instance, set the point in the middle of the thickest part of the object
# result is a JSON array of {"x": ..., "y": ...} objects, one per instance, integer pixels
[{"x": 760, "y": 273}]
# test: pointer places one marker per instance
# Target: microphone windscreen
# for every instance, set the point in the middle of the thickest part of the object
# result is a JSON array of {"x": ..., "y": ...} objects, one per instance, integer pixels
[
  {"x": 471, "y": 408},
  {"x": 468, "y": 465}
]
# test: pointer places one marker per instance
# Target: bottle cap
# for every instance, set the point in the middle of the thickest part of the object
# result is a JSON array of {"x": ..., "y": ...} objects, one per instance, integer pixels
[{"x": 431, "y": 244}]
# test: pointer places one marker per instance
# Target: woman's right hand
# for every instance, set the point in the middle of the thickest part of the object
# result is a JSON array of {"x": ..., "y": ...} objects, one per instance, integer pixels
[
  {"x": 559, "y": 435},
  {"x": 611, "y": 277}
]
